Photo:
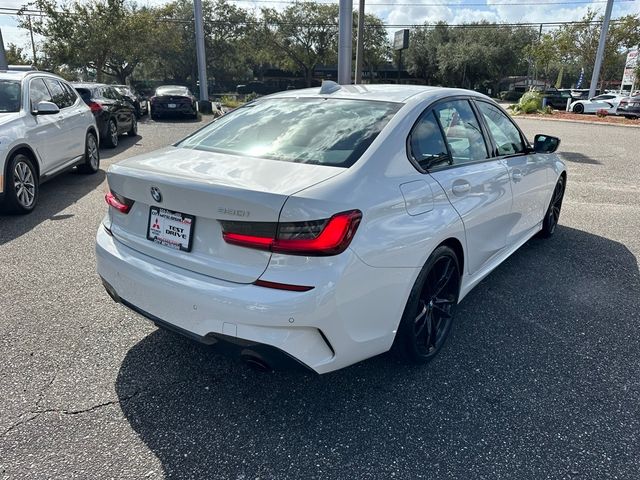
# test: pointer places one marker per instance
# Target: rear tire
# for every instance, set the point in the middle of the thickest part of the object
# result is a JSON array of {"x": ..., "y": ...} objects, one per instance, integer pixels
[
  {"x": 91, "y": 155},
  {"x": 428, "y": 315},
  {"x": 21, "y": 185},
  {"x": 552, "y": 216},
  {"x": 112, "y": 134},
  {"x": 133, "y": 131},
  {"x": 578, "y": 108}
]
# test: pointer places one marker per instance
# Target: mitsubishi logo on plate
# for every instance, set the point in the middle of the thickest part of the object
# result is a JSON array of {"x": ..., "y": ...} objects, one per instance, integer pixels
[{"x": 155, "y": 193}]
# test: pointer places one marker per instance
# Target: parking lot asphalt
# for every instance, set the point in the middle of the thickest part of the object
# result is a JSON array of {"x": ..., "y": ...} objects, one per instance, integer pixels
[{"x": 539, "y": 380}]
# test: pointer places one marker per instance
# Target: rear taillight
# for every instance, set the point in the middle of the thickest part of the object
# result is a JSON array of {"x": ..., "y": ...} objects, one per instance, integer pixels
[
  {"x": 153, "y": 99},
  {"x": 120, "y": 203},
  {"x": 315, "y": 238},
  {"x": 95, "y": 107}
]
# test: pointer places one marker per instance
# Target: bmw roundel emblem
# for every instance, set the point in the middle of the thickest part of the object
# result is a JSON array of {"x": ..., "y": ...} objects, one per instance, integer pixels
[{"x": 155, "y": 193}]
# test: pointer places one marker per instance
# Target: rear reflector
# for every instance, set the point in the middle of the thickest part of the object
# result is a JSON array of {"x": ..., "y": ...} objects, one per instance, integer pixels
[
  {"x": 120, "y": 203},
  {"x": 282, "y": 286},
  {"x": 315, "y": 238}
]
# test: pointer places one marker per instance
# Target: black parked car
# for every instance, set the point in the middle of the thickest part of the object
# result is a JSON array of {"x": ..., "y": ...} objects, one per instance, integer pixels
[
  {"x": 139, "y": 101},
  {"x": 629, "y": 107},
  {"x": 114, "y": 114},
  {"x": 172, "y": 100},
  {"x": 557, "y": 98}
]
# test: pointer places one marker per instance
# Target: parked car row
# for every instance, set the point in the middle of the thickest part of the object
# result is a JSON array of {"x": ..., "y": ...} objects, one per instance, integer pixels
[
  {"x": 46, "y": 129},
  {"x": 50, "y": 125}
]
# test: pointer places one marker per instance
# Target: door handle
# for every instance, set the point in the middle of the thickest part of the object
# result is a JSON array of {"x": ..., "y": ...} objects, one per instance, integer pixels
[
  {"x": 461, "y": 187},
  {"x": 516, "y": 175}
]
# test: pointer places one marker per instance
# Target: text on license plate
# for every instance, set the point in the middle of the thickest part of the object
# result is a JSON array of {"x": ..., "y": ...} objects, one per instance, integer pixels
[
  {"x": 171, "y": 105},
  {"x": 171, "y": 229}
]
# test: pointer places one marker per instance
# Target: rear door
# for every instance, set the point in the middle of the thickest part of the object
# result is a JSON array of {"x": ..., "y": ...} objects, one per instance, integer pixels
[
  {"x": 67, "y": 142},
  {"x": 80, "y": 117},
  {"x": 476, "y": 185}
]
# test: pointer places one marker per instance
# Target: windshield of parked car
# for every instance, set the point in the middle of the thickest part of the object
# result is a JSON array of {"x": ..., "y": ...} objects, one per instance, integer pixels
[
  {"x": 172, "y": 91},
  {"x": 9, "y": 96},
  {"x": 320, "y": 131}
]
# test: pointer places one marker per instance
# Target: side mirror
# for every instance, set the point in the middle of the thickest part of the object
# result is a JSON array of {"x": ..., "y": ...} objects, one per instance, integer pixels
[
  {"x": 545, "y": 143},
  {"x": 46, "y": 108}
]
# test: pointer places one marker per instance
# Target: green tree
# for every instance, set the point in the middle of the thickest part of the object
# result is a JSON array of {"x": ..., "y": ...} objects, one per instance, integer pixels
[
  {"x": 422, "y": 54},
  {"x": 304, "y": 35},
  {"x": 16, "y": 55},
  {"x": 377, "y": 48},
  {"x": 108, "y": 36}
]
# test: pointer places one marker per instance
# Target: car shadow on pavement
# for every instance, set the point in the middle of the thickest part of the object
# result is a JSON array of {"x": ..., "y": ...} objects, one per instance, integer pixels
[
  {"x": 537, "y": 378},
  {"x": 125, "y": 142},
  {"x": 577, "y": 157},
  {"x": 54, "y": 196}
]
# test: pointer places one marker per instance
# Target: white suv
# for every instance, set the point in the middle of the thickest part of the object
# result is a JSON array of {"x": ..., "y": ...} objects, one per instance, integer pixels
[{"x": 45, "y": 128}]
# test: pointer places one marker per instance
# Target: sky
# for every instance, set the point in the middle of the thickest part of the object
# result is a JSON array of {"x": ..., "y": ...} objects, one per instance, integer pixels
[{"x": 406, "y": 12}]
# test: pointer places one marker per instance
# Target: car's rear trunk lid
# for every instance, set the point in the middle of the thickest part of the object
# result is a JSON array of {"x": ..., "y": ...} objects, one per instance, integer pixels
[{"x": 210, "y": 187}]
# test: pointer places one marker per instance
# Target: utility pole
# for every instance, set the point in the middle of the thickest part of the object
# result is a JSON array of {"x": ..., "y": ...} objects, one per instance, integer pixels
[
  {"x": 33, "y": 44},
  {"x": 204, "y": 104},
  {"x": 603, "y": 40},
  {"x": 345, "y": 32},
  {"x": 360, "y": 43},
  {"x": 3, "y": 56}
]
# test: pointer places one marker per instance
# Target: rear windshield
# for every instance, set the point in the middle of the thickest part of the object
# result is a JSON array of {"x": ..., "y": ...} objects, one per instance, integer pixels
[
  {"x": 172, "y": 91},
  {"x": 319, "y": 131},
  {"x": 9, "y": 96}
]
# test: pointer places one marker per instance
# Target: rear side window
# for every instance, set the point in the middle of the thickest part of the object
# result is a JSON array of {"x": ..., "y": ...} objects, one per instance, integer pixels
[
  {"x": 71, "y": 93},
  {"x": 462, "y": 131},
  {"x": 505, "y": 134},
  {"x": 58, "y": 93},
  {"x": 427, "y": 143},
  {"x": 85, "y": 94},
  {"x": 320, "y": 131},
  {"x": 38, "y": 92},
  {"x": 9, "y": 96}
]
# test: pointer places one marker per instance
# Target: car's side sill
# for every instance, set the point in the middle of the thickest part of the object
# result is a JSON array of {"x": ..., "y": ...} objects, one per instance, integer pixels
[
  {"x": 71, "y": 163},
  {"x": 469, "y": 282}
]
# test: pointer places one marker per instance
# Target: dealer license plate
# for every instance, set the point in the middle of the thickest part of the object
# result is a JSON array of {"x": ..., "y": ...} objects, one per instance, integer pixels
[
  {"x": 171, "y": 229},
  {"x": 171, "y": 105}
]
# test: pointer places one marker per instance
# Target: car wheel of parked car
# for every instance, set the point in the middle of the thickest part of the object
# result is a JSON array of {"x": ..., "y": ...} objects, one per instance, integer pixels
[
  {"x": 428, "y": 315},
  {"x": 22, "y": 185},
  {"x": 578, "y": 108},
  {"x": 552, "y": 216},
  {"x": 112, "y": 134},
  {"x": 133, "y": 131},
  {"x": 91, "y": 155}
]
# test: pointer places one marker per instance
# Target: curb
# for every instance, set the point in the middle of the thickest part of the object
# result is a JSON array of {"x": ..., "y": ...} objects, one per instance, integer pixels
[{"x": 586, "y": 122}]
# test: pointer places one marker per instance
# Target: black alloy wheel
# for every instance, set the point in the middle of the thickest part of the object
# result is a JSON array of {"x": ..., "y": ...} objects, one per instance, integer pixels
[
  {"x": 552, "y": 216},
  {"x": 428, "y": 316},
  {"x": 578, "y": 108}
]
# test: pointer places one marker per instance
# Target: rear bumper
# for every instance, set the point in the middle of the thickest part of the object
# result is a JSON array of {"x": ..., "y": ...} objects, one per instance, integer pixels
[
  {"x": 255, "y": 353},
  {"x": 628, "y": 113},
  {"x": 187, "y": 109},
  {"x": 343, "y": 320}
]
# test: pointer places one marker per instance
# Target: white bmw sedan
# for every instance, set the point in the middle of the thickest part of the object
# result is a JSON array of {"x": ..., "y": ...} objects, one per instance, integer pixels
[{"x": 326, "y": 226}]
